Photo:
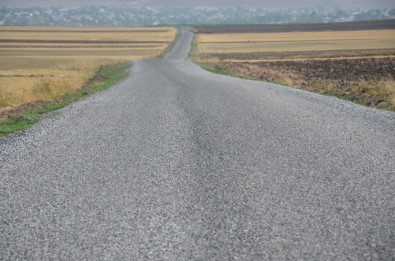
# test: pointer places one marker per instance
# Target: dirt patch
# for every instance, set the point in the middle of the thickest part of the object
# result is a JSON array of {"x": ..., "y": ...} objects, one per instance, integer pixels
[
  {"x": 369, "y": 81},
  {"x": 12, "y": 112}
]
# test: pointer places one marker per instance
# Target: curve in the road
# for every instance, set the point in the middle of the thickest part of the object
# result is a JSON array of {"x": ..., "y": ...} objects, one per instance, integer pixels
[{"x": 181, "y": 48}]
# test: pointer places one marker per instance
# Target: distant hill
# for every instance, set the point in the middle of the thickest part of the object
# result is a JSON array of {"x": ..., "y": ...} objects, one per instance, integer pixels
[{"x": 267, "y": 4}]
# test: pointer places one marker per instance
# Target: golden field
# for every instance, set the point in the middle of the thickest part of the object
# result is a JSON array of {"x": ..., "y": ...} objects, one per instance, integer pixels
[
  {"x": 42, "y": 63},
  {"x": 295, "y": 41}
]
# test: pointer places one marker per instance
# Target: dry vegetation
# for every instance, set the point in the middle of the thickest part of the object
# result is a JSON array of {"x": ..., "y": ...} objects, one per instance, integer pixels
[
  {"x": 358, "y": 65},
  {"x": 42, "y": 63}
]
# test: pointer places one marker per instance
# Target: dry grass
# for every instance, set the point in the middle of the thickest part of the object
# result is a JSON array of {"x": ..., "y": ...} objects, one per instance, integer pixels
[
  {"x": 301, "y": 41},
  {"x": 42, "y": 63},
  {"x": 21, "y": 86}
]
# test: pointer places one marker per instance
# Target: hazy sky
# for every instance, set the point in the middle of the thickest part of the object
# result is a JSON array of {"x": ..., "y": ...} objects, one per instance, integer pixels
[{"x": 268, "y": 4}]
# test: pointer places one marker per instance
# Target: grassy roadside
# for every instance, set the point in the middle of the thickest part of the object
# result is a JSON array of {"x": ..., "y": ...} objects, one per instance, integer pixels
[{"x": 105, "y": 77}]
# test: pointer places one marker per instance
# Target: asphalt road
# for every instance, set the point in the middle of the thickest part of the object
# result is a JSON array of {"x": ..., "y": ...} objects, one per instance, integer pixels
[{"x": 178, "y": 163}]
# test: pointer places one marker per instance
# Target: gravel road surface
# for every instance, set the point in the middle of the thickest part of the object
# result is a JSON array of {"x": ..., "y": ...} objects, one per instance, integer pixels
[{"x": 178, "y": 163}]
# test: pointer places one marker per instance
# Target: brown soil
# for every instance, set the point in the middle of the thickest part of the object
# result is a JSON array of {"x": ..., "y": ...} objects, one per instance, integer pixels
[
  {"x": 299, "y": 54},
  {"x": 359, "y": 80}
]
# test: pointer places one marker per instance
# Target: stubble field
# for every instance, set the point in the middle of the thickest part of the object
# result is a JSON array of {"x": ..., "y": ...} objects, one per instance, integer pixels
[
  {"x": 357, "y": 65},
  {"x": 41, "y": 64}
]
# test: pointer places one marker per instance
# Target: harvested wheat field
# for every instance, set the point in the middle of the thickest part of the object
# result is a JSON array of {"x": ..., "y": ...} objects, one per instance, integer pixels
[
  {"x": 357, "y": 65},
  {"x": 43, "y": 63},
  {"x": 296, "y": 42}
]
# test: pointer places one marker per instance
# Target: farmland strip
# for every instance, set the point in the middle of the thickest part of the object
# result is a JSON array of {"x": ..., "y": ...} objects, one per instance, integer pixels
[
  {"x": 282, "y": 41},
  {"x": 287, "y": 54},
  {"x": 79, "y": 41},
  {"x": 85, "y": 31},
  {"x": 78, "y": 46}
]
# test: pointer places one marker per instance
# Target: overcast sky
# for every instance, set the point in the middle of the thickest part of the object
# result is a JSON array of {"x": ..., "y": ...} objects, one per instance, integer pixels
[{"x": 268, "y": 4}]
